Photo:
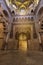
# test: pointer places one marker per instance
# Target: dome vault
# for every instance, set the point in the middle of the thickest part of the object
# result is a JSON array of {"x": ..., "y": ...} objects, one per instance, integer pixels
[{"x": 22, "y": 3}]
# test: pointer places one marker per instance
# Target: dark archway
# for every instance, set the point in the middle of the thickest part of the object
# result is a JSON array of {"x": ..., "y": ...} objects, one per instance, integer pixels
[
  {"x": 40, "y": 11},
  {"x": 5, "y": 13},
  {"x": 23, "y": 39}
]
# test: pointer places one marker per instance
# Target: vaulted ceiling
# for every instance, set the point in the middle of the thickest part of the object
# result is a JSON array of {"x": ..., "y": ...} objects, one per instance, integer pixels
[
  {"x": 23, "y": 3},
  {"x": 22, "y": 7}
]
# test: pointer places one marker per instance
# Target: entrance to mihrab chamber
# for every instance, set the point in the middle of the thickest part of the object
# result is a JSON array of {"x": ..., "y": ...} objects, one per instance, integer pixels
[{"x": 23, "y": 42}]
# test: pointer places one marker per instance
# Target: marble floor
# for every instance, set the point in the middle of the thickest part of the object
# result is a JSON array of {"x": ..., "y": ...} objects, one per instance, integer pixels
[{"x": 20, "y": 58}]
